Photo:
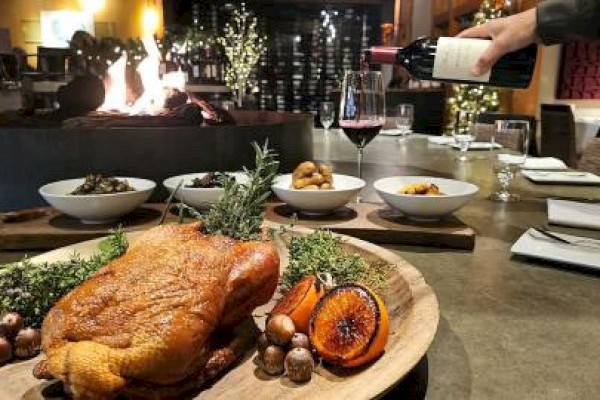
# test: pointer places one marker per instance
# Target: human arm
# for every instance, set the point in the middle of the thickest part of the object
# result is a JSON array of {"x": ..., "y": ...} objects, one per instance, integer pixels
[{"x": 552, "y": 22}]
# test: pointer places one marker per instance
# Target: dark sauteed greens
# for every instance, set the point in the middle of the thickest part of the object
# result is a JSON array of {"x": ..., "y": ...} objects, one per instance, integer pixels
[{"x": 97, "y": 184}]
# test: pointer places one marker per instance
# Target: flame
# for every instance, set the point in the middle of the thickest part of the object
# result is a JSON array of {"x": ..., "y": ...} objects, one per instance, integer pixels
[
  {"x": 155, "y": 89},
  {"x": 115, "y": 86}
]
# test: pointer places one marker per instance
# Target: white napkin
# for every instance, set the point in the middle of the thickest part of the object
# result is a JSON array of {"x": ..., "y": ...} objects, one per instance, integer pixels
[
  {"x": 547, "y": 163},
  {"x": 572, "y": 213},
  {"x": 443, "y": 140}
]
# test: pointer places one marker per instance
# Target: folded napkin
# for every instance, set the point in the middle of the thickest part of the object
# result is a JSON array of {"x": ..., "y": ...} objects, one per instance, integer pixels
[
  {"x": 548, "y": 163},
  {"x": 535, "y": 245},
  {"x": 441, "y": 140},
  {"x": 573, "y": 213}
]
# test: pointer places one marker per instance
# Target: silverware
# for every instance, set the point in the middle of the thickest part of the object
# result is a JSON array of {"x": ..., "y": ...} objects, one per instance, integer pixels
[
  {"x": 571, "y": 242},
  {"x": 590, "y": 200},
  {"x": 559, "y": 173}
]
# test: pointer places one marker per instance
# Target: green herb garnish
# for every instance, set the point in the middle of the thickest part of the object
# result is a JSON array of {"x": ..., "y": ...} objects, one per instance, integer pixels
[
  {"x": 240, "y": 211},
  {"x": 321, "y": 253},
  {"x": 31, "y": 289}
]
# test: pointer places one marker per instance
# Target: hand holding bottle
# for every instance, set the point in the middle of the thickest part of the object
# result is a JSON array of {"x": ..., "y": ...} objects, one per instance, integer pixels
[{"x": 508, "y": 34}]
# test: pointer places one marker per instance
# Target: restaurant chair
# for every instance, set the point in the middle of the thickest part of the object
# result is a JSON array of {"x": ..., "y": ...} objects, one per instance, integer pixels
[
  {"x": 9, "y": 70},
  {"x": 52, "y": 60},
  {"x": 485, "y": 128},
  {"x": 590, "y": 158},
  {"x": 558, "y": 138}
]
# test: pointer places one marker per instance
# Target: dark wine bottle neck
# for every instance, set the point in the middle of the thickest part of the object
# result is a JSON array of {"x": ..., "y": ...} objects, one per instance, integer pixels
[{"x": 387, "y": 55}]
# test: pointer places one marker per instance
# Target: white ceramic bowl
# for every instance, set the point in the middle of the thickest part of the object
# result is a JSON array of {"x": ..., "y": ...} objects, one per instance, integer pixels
[
  {"x": 345, "y": 189},
  {"x": 198, "y": 197},
  {"x": 96, "y": 208},
  {"x": 455, "y": 195}
]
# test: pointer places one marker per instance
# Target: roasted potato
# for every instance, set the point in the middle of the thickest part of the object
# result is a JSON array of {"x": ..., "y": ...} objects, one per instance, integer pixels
[
  {"x": 427, "y": 189},
  {"x": 309, "y": 176}
]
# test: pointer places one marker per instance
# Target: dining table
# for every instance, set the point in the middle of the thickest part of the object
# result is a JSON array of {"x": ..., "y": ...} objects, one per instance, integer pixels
[{"x": 510, "y": 327}]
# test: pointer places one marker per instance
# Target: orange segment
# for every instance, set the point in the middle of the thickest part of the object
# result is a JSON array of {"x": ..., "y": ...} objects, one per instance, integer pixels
[
  {"x": 349, "y": 326},
  {"x": 379, "y": 341},
  {"x": 299, "y": 302}
]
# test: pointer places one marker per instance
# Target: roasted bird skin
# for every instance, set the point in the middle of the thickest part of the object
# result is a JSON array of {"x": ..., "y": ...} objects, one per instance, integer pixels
[{"x": 151, "y": 323}]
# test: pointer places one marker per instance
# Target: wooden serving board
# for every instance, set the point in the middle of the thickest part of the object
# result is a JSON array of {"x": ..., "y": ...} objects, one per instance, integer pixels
[
  {"x": 414, "y": 315},
  {"x": 380, "y": 224},
  {"x": 46, "y": 228}
]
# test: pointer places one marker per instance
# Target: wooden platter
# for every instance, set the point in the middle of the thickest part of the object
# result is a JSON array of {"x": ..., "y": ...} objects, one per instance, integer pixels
[
  {"x": 46, "y": 228},
  {"x": 414, "y": 315}
]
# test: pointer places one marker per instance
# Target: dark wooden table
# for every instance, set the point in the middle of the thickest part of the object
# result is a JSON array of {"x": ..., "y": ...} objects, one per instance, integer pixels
[{"x": 510, "y": 328}]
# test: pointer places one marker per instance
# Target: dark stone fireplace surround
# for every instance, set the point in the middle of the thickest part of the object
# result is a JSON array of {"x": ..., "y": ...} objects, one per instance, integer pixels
[{"x": 30, "y": 158}]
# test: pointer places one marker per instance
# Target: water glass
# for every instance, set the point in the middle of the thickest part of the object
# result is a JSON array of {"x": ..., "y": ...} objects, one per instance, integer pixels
[
  {"x": 404, "y": 119},
  {"x": 327, "y": 114},
  {"x": 463, "y": 132},
  {"x": 513, "y": 135},
  {"x": 228, "y": 105}
]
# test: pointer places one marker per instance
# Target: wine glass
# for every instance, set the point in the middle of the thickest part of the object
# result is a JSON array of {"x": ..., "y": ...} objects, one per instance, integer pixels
[
  {"x": 513, "y": 135},
  {"x": 327, "y": 114},
  {"x": 362, "y": 109},
  {"x": 404, "y": 119},
  {"x": 463, "y": 132}
]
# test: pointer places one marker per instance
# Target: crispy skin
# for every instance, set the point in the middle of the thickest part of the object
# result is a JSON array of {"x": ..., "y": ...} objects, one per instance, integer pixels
[{"x": 146, "y": 320}]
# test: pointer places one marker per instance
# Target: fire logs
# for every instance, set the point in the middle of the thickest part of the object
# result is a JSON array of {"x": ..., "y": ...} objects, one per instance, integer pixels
[{"x": 185, "y": 115}]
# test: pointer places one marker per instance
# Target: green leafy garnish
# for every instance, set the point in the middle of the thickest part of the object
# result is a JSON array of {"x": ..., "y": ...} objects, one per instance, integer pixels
[
  {"x": 31, "y": 289},
  {"x": 321, "y": 253},
  {"x": 240, "y": 211}
]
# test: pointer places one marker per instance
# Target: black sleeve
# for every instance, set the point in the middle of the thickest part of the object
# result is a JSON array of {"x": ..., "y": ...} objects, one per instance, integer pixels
[{"x": 561, "y": 20}]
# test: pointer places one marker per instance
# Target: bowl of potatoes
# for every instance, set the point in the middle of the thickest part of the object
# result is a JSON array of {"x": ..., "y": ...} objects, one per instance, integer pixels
[{"x": 314, "y": 188}]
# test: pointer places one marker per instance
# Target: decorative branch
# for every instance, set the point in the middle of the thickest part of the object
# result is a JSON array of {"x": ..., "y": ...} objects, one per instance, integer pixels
[{"x": 243, "y": 46}]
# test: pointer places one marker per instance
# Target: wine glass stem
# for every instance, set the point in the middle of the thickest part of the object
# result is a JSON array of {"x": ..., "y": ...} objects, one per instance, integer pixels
[
  {"x": 360, "y": 162},
  {"x": 505, "y": 182}
]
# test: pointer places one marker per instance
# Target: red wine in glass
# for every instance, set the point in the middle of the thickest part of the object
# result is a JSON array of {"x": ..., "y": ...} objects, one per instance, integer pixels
[
  {"x": 362, "y": 109},
  {"x": 361, "y": 132}
]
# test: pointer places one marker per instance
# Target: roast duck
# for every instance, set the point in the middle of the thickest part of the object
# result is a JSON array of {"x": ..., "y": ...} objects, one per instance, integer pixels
[{"x": 157, "y": 322}]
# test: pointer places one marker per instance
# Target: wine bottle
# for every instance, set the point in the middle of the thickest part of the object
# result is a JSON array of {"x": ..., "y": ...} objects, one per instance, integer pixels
[{"x": 451, "y": 59}]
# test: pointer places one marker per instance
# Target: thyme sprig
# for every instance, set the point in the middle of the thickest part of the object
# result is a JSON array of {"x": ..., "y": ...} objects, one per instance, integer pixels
[
  {"x": 31, "y": 289},
  {"x": 240, "y": 211},
  {"x": 321, "y": 252}
]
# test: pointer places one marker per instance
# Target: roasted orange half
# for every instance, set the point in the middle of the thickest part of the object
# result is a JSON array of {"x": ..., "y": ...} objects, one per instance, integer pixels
[
  {"x": 349, "y": 326},
  {"x": 299, "y": 302}
]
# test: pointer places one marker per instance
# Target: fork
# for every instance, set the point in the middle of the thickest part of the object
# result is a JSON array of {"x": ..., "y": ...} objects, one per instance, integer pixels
[{"x": 571, "y": 242}]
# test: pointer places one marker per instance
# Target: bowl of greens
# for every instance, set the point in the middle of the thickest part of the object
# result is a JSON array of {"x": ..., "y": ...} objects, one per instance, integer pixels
[
  {"x": 202, "y": 189},
  {"x": 96, "y": 199}
]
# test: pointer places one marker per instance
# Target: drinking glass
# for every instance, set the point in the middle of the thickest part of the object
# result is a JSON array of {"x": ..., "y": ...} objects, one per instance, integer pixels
[
  {"x": 463, "y": 132},
  {"x": 513, "y": 135},
  {"x": 327, "y": 114},
  {"x": 362, "y": 109},
  {"x": 404, "y": 119}
]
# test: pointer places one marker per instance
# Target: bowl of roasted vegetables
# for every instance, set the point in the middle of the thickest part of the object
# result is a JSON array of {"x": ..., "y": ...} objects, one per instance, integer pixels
[
  {"x": 97, "y": 199},
  {"x": 314, "y": 188},
  {"x": 424, "y": 197},
  {"x": 202, "y": 189}
]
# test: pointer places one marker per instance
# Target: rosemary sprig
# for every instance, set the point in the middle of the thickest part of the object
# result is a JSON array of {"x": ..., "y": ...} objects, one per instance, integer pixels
[
  {"x": 31, "y": 289},
  {"x": 240, "y": 211}
]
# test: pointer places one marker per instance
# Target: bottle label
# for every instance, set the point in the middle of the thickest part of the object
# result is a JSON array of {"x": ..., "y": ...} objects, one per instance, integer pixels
[{"x": 455, "y": 57}]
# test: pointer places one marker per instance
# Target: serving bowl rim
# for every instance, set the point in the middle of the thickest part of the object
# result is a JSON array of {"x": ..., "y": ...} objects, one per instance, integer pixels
[
  {"x": 360, "y": 184},
  {"x": 43, "y": 190},
  {"x": 470, "y": 189}
]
